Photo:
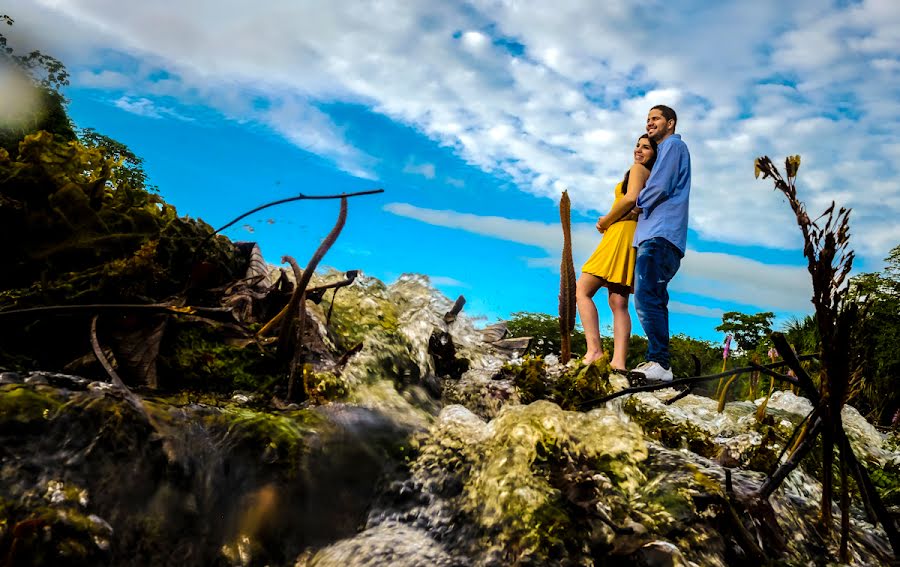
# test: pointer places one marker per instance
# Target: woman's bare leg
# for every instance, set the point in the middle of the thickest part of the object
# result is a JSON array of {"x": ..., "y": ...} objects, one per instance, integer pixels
[
  {"x": 585, "y": 289},
  {"x": 618, "y": 304}
]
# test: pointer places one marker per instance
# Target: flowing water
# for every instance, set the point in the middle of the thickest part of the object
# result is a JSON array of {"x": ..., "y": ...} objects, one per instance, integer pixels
[{"x": 410, "y": 469}]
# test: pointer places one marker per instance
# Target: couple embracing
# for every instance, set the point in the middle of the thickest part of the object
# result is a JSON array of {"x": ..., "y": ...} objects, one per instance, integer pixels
[{"x": 644, "y": 239}]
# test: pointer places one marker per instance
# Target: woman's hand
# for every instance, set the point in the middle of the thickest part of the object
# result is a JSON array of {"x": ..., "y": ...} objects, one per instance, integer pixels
[{"x": 603, "y": 223}]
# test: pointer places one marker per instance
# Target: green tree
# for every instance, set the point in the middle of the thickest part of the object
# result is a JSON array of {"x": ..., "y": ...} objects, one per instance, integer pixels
[
  {"x": 876, "y": 337},
  {"x": 46, "y": 76},
  {"x": 750, "y": 332},
  {"x": 544, "y": 329}
]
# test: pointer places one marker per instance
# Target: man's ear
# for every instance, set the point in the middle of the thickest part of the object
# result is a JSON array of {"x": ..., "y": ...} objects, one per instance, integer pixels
[{"x": 670, "y": 124}]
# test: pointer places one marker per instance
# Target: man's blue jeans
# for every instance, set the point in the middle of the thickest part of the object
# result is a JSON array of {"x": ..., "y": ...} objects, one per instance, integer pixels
[{"x": 656, "y": 264}]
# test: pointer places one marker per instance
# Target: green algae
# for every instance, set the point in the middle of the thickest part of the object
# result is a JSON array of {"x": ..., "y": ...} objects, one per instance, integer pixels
[
  {"x": 569, "y": 389},
  {"x": 516, "y": 472},
  {"x": 322, "y": 387},
  {"x": 195, "y": 356},
  {"x": 675, "y": 434},
  {"x": 26, "y": 404},
  {"x": 362, "y": 310}
]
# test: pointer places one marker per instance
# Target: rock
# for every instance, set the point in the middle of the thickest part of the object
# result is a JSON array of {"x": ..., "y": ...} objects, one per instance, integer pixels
[
  {"x": 66, "y": 381},
  {"x": 10, "y": 378},
  {"x": 660, "y": 554},
  {"x": 495, "y": 332},
  {"x": 36, "y": 378}
]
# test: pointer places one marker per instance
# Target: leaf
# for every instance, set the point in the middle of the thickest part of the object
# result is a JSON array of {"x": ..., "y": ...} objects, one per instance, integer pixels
[
  {"x": 756, "y": 169},
  {"x": 137, "y": 347},
  {"x": 791, "y": 165}
]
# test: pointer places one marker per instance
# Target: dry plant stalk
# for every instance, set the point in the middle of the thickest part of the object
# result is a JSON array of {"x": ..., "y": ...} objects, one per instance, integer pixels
[
  {"x": 297, "y": 314},
  {"x": 829, "y": 261},
  {"x": 566, "y": 282}
]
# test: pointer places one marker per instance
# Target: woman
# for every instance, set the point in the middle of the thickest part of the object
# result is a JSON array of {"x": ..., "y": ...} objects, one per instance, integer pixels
[{"x": 612, "y": 263}]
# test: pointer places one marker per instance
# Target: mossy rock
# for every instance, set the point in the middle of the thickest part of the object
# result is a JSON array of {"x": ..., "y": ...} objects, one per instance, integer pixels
[
  {"x": 675, "y": 434},
  {"x": 571, "y": 389}
]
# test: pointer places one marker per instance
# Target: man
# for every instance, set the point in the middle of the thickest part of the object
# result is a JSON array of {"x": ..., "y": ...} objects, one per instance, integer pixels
[{"x": 661, "y": 238}]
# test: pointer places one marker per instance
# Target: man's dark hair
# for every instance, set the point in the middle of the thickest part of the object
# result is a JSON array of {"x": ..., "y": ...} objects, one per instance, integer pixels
[{"x": 667, "y": 113}]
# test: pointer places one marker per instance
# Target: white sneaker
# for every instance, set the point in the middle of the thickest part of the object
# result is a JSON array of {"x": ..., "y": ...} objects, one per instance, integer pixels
[{"x": 654, "y": 372}]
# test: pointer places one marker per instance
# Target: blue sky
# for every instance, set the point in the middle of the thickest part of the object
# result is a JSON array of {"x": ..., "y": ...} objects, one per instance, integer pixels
[{"x": 473, "y": 117}]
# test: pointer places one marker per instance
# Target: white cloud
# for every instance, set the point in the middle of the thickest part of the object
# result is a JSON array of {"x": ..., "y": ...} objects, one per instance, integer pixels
[
  {"x": 552, "y": 94},
  {"x": 724, "y": 277},
  {"x": 445, "y": 281},
  {"x": 147, "y": 108},
  {"x": 699, "y": 310},
  {"x": 104, "y": 79},
  {"x": 426, "y": 170}
]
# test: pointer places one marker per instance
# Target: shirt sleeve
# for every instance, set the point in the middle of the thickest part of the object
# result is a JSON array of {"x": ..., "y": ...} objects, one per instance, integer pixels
[{"x": 663, "y": 177}]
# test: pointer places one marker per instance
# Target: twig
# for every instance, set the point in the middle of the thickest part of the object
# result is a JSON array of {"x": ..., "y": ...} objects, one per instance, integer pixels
[
  {"x": 590, "y": 404},
  {"x": 678, "y": 396},
  {"x": 215, "y": 313},
  {"x": 790, "y": 441},
  {"x": 291, "y": 307},
  {"x": 299, "y": 295},
  {"x": 98, "y": 352},
  {"x": 774, "y": 481},
  {"x": 290, "y": 199},
  {"x": 310, "y": 294},
  {"x": 793, "y": 361}
]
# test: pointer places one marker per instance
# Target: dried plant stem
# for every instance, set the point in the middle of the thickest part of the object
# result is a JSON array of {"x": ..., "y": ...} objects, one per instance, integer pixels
[
  {"x": 300, "y": 197},
  {"x": 566, "y": 281}
]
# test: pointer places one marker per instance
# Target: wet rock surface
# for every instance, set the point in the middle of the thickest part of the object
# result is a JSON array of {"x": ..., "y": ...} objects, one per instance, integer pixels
[{"x": 396, "y": 461}]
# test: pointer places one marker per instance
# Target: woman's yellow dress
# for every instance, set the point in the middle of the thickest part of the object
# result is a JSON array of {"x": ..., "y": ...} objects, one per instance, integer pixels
[{"x": 613, "y": 260}]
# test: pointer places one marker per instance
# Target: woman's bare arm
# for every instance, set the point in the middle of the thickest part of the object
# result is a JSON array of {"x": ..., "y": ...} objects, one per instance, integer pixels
[{"x": 624, "y": 206}]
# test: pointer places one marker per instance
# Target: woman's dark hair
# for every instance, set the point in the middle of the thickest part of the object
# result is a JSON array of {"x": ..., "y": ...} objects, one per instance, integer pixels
[{"x": 648, "y": 165}]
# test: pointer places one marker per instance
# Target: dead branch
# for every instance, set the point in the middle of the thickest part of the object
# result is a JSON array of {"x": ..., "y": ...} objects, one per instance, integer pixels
[
  {"x": 299, "y": 197},
  {"x": 297, "y": 303},
  {"x": 292, "y": 306},
  {"x": 222, "y": 314},
  {"x": 450, "y": 316},
  {"x": 784, "y": 469},
  {"x": 101, "y": 358},
  {"x": 314, "y": 294},
  {"x": 591, "y": 404}
]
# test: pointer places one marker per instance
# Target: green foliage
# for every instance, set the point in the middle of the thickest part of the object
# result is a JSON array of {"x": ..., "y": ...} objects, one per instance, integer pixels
[
  {"x": 876, "y": 336},
  {"x": 749, "y": 331},
  {"x": 79, "y": 228},
  {"x": 43, "y": 76},
  {"x": 803, "y": 334},
  {"x": 544, "y": 329},
  {"x": 195, "y": 356},
  {"x": 130, "y": 175}
]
